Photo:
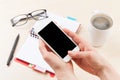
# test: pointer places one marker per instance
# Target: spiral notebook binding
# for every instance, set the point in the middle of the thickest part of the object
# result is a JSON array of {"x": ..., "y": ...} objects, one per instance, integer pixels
[{"x": 32, "y": 34}]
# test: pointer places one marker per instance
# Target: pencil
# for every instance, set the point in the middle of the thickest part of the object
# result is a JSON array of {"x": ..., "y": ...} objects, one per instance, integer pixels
[{"x": 13, "y": 50}]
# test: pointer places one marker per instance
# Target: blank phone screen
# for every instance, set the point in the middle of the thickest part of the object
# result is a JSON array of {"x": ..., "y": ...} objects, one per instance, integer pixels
[{"x": 56, "y": 39}]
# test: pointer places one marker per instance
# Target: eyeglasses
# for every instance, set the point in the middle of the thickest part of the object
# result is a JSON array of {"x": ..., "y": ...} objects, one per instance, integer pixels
[{"x": 23, "y": 18}]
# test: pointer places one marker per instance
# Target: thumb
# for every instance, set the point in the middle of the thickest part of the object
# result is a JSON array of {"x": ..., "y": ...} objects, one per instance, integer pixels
[{"x": 78, "y": 54}]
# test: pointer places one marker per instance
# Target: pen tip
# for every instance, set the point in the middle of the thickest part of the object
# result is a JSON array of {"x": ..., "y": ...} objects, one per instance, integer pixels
[{"x": 8, "y": 64}]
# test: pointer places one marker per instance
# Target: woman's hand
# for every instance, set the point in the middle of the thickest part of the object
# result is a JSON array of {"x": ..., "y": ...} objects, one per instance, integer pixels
[
  {"x": 89, "y": 59},
  {"x": 63, "y": 70}
]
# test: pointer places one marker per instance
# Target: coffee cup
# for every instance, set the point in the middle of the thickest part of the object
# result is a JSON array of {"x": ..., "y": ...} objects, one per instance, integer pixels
[{"x": 99, "y": 28}]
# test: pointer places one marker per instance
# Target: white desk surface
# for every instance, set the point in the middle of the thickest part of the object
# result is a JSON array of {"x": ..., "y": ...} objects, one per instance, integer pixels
[{"x": 80, "y": 9}]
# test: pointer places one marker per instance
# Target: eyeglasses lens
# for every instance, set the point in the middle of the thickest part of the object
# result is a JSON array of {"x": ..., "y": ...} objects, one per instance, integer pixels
[
  {"x": 19, "y": 20},
  {"x": 38, "y": 15}
]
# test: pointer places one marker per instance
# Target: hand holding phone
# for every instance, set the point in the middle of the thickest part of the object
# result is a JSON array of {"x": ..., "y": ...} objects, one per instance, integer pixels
[{"x": 56, "y": 39}]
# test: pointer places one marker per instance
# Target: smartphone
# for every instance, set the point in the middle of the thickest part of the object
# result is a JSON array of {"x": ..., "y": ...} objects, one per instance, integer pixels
[{"x": 56, "y": 39}]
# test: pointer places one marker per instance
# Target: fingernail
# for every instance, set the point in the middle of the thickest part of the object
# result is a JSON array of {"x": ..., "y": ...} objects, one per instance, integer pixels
[{"x": 70, "y": 52}]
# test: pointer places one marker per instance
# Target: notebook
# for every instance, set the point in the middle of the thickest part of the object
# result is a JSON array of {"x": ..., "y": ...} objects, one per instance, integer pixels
[{"x": 29, "y": 52}]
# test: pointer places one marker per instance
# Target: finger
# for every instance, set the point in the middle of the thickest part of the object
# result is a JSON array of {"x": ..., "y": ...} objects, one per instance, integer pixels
[
  {"x": 79, "y": 54},
  {"x": 48, "y": 49},
  {"x": 53, "y": 60},
  {"x": 42, "y": 48},
  {"x": 76, "y": 38},
  {"x": 84, "y": 45},
  {"x": 72, "y": 35},
  {"x": 44, "y": 51}
]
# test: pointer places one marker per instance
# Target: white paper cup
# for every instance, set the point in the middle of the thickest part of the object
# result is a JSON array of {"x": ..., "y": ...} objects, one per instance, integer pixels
[{"x": 99, "y": 28}]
